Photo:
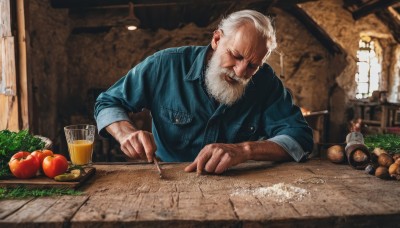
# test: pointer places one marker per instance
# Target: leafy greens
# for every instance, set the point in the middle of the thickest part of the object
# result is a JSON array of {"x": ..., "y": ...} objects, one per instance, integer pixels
[
  {"x": 12, "y": 142},
  {"x": 388, "y": 142}
]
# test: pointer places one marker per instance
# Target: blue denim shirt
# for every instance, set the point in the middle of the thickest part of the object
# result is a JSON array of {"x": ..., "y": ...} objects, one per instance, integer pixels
[{"x": 185, "y": 119}]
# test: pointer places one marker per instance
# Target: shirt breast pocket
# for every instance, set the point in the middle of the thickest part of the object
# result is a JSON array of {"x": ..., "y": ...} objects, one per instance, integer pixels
[
  {"x": 178, "y": 127},
  {"x": 246, "y": 132}
]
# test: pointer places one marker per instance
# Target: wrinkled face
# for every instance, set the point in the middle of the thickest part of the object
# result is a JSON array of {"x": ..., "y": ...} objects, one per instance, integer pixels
[{"x": 234, "y": 61}]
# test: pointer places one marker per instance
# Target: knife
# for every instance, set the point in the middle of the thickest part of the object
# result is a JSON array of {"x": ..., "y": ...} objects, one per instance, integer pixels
[{"x": 158, "y": 167}]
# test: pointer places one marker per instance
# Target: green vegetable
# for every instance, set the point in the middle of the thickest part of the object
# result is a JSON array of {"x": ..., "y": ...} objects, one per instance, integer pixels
[
  {"x": 69, "y": 176},
  {"x": 388, "y": 142},
  {"x": 12, "y": 142},
  {"x": 22, "y": 192}
]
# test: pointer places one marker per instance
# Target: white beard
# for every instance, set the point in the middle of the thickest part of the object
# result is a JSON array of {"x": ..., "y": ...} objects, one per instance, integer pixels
[{"x": 218, "y": 87}]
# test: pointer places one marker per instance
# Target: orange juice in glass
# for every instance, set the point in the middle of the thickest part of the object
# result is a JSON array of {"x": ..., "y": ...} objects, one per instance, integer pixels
[
  {"x": 80, "y": 152},
  {"x": 80, "y": 140}
]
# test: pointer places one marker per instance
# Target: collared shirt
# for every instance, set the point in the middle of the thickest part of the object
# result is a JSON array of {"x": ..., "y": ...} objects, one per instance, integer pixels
[{"x": 185, "y": 118}]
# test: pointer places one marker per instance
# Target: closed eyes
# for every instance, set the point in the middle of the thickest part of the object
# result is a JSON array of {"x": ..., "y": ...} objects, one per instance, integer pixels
[{"x": 239, "y": 57}]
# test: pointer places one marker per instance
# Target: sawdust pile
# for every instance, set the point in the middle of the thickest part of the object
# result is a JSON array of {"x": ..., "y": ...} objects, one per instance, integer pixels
[{"x": 280, "y": 192}]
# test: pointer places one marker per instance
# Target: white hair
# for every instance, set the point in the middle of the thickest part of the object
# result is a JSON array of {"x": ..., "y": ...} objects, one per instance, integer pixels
[{"x": 262, "y": 24}]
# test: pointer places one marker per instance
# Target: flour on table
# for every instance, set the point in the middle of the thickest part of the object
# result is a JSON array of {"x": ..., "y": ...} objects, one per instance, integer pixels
[{"x": 280, "y": 192}]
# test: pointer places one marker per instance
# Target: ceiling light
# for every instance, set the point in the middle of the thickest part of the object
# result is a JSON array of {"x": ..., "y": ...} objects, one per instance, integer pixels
[
  {"x": 131, "y": 27},
  {"x": 131, "y": 22}
]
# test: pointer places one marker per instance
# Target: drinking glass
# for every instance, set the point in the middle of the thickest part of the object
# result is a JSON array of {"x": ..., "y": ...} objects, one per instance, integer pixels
[{"x": 80, "y": 139}]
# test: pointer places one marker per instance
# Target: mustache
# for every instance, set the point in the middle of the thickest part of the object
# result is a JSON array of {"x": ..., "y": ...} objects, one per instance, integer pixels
[{"x": 232, "y": 75}]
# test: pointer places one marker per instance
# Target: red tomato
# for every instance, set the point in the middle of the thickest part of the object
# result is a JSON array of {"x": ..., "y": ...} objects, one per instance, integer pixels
[
  {"x": 54, "y": 165},
  {"x": 23, "y": 165},
  {"x": 41, "y": 155}
]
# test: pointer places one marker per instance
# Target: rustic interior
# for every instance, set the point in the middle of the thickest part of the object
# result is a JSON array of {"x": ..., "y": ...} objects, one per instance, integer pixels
[{"x": 77, "y": 48}]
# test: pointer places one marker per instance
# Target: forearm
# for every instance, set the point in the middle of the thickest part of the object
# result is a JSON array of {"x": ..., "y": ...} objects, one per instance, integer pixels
[
  {"x": 120, "y": 129},
  {"x": 265, "y": 151}
]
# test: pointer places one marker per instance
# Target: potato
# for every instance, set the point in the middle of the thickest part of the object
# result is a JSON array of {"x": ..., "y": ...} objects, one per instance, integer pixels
[
  {"x": 335, "y": 154},
  {"x": 385, "y": 160},
  {"x": 382, "y": 172},
  {"x": 394, "y": 169},
  {"x": 396, "y": 156}
]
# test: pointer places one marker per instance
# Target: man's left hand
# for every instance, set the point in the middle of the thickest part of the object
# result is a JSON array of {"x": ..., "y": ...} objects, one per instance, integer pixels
[{"x": 218, "y": 157}]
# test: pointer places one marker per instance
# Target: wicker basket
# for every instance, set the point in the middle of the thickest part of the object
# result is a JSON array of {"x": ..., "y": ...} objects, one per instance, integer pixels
[{"x": 48, "y": 144}]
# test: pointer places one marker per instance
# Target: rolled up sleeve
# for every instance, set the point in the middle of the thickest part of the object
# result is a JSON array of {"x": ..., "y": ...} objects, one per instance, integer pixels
[
  {"x": 291, "y": 146},
  {"x": 108, "y": 116}
]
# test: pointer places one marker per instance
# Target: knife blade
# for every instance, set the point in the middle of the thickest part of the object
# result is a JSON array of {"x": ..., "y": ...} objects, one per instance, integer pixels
[{"x": 158, "y": 167}]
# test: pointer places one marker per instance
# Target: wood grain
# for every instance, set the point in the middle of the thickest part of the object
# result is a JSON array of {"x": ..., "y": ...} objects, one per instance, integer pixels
[
  {"x": 8, "y": 207},
  {"x": 5, "y": 25},
  {"x": 133, "y": 195},
  {"x": 25, "y": 96},
  {"x": 8, "y": 103},
  {"x": 46, "y": 212}
]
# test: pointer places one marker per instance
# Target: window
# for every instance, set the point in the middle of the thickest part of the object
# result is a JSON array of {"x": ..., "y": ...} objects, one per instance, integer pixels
[{"x": 369, "y": 69}]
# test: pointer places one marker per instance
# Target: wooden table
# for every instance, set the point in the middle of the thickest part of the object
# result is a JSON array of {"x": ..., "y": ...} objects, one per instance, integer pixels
[
  {"x": 368, "y": 111},
  {"x": 133, "y": 195}
]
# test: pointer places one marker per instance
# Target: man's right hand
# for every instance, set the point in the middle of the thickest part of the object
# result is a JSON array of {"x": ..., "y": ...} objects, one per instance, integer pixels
[{"x": 134, "y": 143}]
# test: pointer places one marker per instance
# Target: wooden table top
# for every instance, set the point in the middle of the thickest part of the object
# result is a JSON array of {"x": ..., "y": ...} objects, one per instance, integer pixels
[{"x": 315, "y": 193}]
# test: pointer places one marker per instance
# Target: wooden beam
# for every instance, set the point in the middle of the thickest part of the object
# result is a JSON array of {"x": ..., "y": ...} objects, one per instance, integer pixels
[
  {"x": 22, "y": 67},
  {"x": 372, "y": 8},
  {"x": 289, "y": 3},
  {"x": 86, "y": 3},
  {"x": 145, "y": 3},
  {"x": 394, "y": 13},
  {"x": 138, "y": 3},
  {"x": 315, "y": 30},
  {"x": 391, "y": 22}
]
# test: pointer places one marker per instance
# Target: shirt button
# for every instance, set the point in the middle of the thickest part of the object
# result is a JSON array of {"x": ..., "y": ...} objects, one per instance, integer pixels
[
  {"x": 251, "y": 128},
  {"x": 176, "y": 120}
]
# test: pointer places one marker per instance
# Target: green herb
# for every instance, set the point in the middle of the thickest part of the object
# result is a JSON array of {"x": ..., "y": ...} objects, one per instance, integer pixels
[
  {"x": 22, "y": 192},
  {"x": 388, "y": 142},
  {"x": 12, "y": 142}
]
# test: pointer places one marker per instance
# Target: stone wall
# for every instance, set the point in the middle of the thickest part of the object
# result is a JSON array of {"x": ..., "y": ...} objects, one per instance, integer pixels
[
  {"x": 346, "y": 32},
  {"x": 305, "y": 63},
  {"x": 67, "y": 68}
]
